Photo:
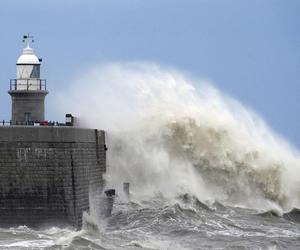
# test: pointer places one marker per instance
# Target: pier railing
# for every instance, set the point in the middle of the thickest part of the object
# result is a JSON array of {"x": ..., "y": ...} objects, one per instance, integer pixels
[
  {"x": 5, "y": 123},
  {"x": 69, "y": 122},
  {"x": 28, "y": 84},
  {"x": 31, "y": 123}
]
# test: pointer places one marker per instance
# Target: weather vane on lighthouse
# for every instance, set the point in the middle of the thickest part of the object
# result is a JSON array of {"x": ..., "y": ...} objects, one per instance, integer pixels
[{"x": 27, "y": 39}]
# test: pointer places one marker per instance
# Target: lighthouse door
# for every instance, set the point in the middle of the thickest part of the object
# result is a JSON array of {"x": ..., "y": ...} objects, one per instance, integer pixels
[{"x": 27, "y": 117}]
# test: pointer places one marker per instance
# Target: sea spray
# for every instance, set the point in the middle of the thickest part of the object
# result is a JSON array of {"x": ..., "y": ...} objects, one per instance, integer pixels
[{"x": 169, "y": 134}]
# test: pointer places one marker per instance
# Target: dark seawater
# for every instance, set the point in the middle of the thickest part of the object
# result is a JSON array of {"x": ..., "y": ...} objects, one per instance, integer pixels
[{"x": 156, "y": 225}]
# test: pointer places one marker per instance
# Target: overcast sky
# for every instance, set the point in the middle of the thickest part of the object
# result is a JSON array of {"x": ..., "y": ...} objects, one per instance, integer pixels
[{"x": 248, "y": 49}]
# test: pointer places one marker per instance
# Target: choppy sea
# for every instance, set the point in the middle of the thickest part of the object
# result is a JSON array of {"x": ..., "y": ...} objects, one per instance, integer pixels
[{"x": 154, "y": 224}]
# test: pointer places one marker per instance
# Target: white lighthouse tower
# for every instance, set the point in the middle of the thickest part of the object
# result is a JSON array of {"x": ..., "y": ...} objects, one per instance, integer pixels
[{"x": 28, "y": 91}]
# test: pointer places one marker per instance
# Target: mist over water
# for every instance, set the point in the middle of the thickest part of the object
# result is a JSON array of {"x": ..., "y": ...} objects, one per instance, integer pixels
[{"x": 170, "y": 134}]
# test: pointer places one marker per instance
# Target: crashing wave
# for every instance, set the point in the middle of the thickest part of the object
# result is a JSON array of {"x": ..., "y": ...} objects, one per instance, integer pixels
[{"x": 170, "y": 134}]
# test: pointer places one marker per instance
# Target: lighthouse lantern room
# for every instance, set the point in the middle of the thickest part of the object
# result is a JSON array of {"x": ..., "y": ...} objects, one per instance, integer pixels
[{"x": 28, "y": 90}]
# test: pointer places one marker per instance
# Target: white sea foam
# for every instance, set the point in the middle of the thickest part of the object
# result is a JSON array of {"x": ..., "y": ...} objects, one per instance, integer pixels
[{"x": 171, "y": 134}]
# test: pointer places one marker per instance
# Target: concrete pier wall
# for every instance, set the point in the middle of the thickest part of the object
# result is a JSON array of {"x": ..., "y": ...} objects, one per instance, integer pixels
[{"x": 46, "y": 174}]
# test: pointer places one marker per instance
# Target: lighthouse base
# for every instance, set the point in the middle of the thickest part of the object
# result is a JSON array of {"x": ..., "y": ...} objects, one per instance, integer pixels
[{"x": 28, "y": 106}]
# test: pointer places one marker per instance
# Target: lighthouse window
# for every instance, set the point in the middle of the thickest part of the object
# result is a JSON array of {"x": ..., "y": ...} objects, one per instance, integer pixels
[{"x": 35, "y": 73}]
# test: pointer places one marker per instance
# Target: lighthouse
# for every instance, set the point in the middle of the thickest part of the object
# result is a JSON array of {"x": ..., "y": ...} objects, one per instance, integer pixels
[{"x": 28, "y": 90}]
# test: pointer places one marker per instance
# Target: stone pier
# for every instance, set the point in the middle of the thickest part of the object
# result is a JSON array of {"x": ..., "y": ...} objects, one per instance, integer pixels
[{"x": 46, "y": 174}]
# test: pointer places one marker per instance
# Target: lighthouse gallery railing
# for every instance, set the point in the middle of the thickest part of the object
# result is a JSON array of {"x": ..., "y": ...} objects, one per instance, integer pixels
[{"x": 28, "y": 84}]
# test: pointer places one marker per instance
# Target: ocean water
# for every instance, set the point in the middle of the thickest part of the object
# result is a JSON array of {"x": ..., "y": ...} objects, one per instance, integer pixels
[
  {"x": 205, "y": 171},
  {"x": 188, "y": 224}
]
